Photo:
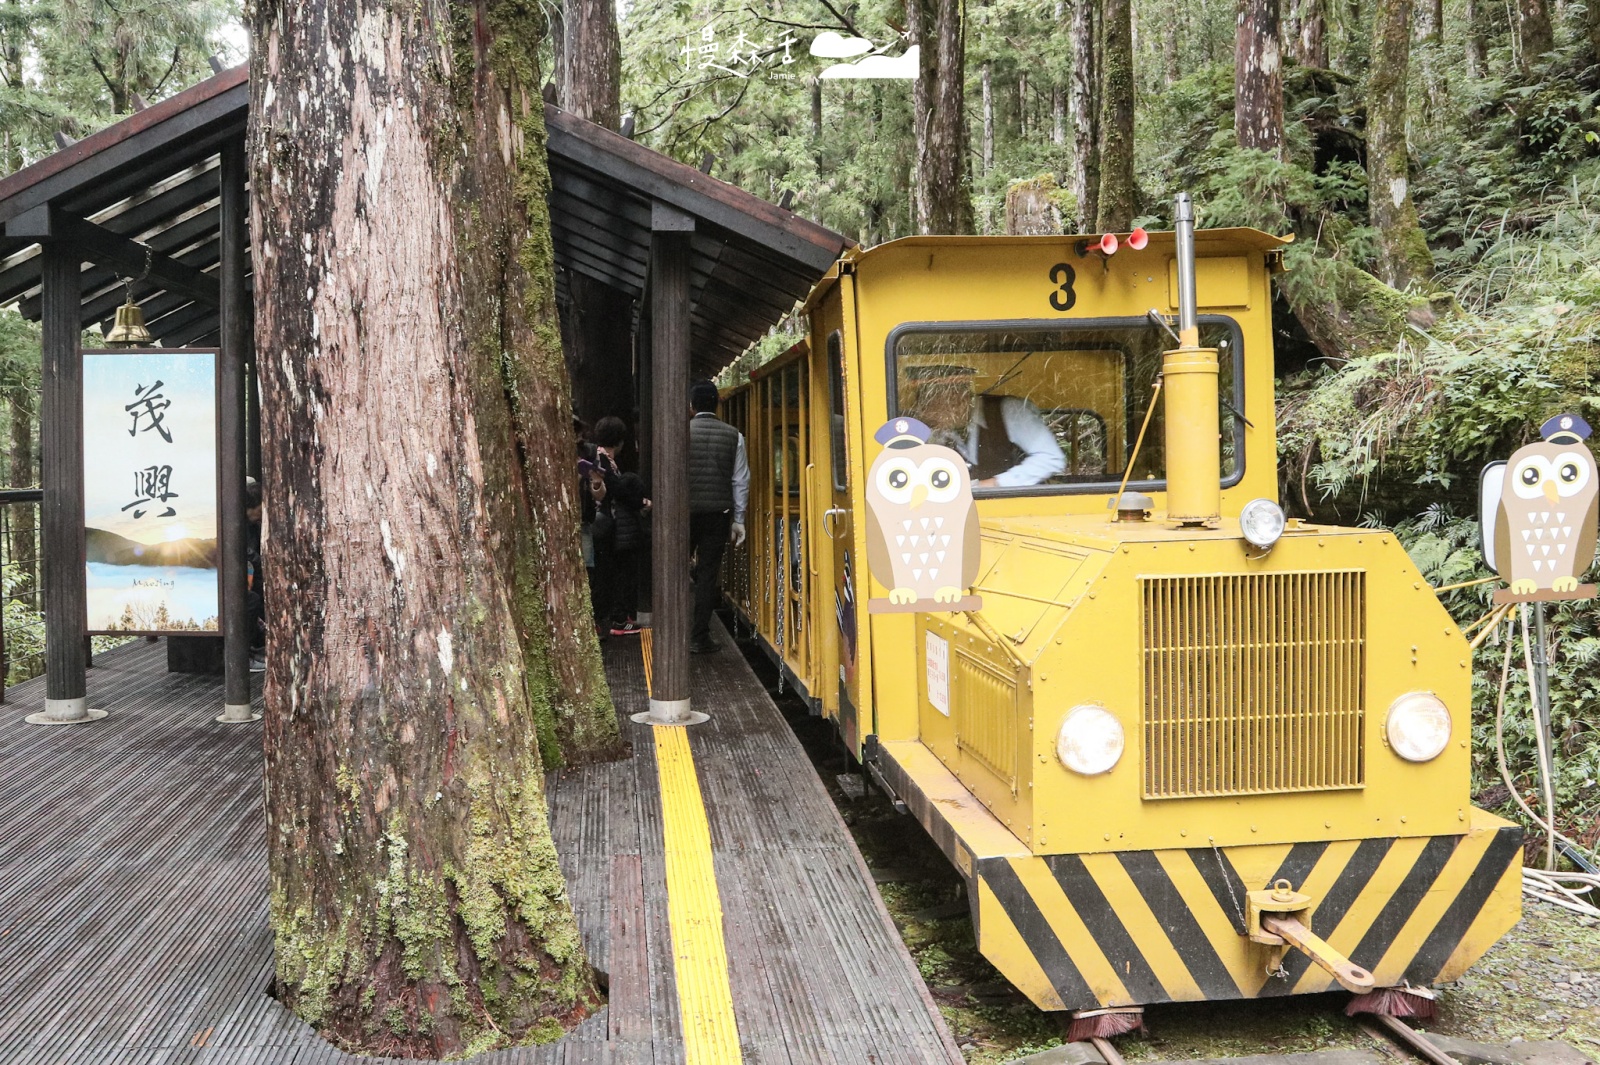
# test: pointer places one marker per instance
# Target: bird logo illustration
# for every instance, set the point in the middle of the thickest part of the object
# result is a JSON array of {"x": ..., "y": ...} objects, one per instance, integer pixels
[
  {"x": 1545, "y": 525},
  {"x": 923, "y": 542}
]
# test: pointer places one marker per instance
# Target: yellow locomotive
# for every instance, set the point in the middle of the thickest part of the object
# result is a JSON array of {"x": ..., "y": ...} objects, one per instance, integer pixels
[{"x": 1185, "y": 749}]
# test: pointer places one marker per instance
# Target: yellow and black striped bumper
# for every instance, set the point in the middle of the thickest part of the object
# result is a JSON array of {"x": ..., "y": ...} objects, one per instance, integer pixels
[{"x": 1076, "y": 931}]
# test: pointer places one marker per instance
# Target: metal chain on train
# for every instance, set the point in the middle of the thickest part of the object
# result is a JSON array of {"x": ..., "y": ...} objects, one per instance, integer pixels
[{"x": 1222, "y": 865}]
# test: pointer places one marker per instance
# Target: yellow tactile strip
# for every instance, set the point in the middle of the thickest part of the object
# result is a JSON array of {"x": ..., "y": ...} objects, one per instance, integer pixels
[{"x": 694, "y": 906}]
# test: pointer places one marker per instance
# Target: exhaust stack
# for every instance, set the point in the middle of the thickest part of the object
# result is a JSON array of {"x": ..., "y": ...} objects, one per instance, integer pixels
[{"x": 1193, "y": 426}]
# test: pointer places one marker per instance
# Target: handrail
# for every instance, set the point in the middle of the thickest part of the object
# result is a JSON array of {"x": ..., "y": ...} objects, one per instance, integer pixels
[{"x": 21, "y": 495}]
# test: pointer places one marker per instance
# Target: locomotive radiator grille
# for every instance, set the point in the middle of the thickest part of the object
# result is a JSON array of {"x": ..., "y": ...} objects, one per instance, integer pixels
[
  {"x": 1253, "y": 684},
  {"x": 985, "y": 702}
]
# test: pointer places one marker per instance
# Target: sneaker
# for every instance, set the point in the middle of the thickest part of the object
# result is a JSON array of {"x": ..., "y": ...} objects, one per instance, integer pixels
[
  {"x": 258, "y": 664},
  {"x": 707, "y": 646},
  {"x": 627, "y": 628}
]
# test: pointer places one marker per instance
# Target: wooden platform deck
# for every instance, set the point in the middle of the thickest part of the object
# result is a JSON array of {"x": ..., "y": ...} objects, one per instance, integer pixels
[{"x": 133, "y": 894}]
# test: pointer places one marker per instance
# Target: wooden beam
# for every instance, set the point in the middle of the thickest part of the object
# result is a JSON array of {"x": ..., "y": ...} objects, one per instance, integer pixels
[
  {"x": 129, "y": 258},
  {"x": 123, "y": 255},
  {"x": 236, "y": 345},
  {"x": 669, "y": 377}
]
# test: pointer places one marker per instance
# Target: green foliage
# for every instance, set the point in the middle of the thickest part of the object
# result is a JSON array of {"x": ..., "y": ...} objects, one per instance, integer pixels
[
  {"x": 1400, "y": 426},
  {"x": 1446, "y": 549},
  {"x": 73, "y": 65}
]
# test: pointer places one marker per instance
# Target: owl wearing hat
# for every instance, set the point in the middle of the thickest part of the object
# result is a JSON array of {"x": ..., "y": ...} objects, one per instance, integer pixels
[
  {"x": 923, "y": 542},
  {"x": 1545, "y": 529}
]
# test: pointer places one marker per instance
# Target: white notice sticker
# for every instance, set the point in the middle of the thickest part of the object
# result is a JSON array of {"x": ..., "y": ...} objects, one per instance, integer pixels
[{"x": 939, "y": 674}]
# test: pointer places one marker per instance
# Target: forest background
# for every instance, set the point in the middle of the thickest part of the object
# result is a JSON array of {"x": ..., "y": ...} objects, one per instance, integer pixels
[{"x": 1420, "y": 333}]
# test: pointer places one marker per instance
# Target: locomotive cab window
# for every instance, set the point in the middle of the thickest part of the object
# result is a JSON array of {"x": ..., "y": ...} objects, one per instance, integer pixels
[{"x": 1053, "y": 406}]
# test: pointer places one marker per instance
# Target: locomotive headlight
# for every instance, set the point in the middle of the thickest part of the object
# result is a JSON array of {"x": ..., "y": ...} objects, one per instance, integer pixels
[
  {"x": 1090, "y": 741},
  {"x": 1261, "y": 521},
  {"x": 1418, "y": 726}
]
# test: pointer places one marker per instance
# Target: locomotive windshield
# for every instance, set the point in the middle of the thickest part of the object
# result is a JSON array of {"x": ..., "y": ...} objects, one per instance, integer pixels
[{"x": 1054, "y": 406}]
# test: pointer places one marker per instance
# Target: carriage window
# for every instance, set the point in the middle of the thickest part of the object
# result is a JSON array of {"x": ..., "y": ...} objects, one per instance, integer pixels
[
  {"x": 1053, "y": 406},
  {"x": 841, "y": 467}
]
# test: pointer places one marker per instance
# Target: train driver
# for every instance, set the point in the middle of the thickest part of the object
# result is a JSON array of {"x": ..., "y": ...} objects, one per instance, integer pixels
[{"x": 1003, "y": 438}]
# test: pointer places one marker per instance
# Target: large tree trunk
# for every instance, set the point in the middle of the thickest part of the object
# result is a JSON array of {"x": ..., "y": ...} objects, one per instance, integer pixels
[
  {"x": 1477, "y": 45},
  {"x": 944, "y": 201},
  {"x": 596, "y": 329},
  {"x": 1117, "y": 202},
  {"x": 589, "y": 61},
  {"x": 1535, "y": 35},
  {"x": 1309, "y": 42},
  {"x": 1592, "y": 18},
  {"x": 1022, "y": 106},
  {"x": 1083, "y": 103},
  {"x": 1258, "y": 77},
  {"x": 431, "y": 648},
  {"x": 1403, "y": 255},
  {"x": 987, "y": 80}
]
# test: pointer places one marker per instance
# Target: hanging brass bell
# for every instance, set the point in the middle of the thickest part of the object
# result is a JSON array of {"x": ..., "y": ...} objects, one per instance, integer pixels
[{"x": 129, "y": 328}]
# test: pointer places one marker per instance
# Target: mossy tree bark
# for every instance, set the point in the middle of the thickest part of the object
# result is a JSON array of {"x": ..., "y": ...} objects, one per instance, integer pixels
[
  {"x": 1592, "y": 19},
  {"x": 1477, "y": 42},
  {"x": 1403, "y": 255},
  {"x": 1258, "y": 77},
  {"x": 1535, "y": 34},
  {"x": 1083, "y": 104},
  {"x": 944, "y": 197},
  {"x": 1118, "y": 199},
  {"x": 1309, "y": 41},
  {"x": 596, "y": 325},
  {"x": 431, "y": 651},
  {"x": 589, "y": 62}
]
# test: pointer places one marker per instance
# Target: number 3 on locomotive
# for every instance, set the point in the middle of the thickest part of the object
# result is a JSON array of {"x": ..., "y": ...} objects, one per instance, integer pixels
[{"x": 1063, "y": 297}]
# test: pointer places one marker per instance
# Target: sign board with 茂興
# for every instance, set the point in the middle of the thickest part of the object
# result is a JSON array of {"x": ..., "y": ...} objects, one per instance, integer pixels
[{"x": 150, "y": 490}]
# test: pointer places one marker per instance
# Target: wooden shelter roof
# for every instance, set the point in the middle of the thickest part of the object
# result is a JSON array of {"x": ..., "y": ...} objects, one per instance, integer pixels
[{"x": 145, "y": 191}]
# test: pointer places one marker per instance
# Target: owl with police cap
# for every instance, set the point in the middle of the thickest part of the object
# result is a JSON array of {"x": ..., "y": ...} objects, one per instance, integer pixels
[
  {"x": 923, "y": 541},
  {"x": 1545, "y": 530}
]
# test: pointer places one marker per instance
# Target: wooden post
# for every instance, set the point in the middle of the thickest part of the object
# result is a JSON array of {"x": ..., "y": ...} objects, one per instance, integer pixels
[
  {"x": 670, "y": 297},
  {"x": 646, "y": 433},
  {"x": 63, "y": 569},
  {"x": 235, "y": 251}
]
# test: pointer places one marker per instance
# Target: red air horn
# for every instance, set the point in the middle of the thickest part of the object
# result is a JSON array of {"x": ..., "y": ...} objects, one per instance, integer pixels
[{"x": 1107, "y": 245}]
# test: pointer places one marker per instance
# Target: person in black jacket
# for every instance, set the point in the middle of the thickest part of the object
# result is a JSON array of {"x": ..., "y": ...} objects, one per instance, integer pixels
[{"x": 619, "y": 530}]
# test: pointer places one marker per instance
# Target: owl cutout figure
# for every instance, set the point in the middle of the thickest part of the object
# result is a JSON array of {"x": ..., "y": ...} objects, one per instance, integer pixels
[
  {"x": 1544, "y": 530},
  {"x": 923, "y": 542}
]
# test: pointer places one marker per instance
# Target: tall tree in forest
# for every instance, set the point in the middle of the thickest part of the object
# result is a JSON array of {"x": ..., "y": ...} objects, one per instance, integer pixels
[
  {"x": 1477, "y": 43},
  {"x": 1118, "y": 200},
  {"x": 589, "y": 62},
  {"x": 1403, "y": 255},
  {"x": 434, "y": 653},
  {"x": 1308, "y": 41},
  {"x": 1258, "y": 77},
  {"x": 1592, "y": 19},
  {"x": 1083, "y": 104},
  {"x": 139, "y": 46},
  {"x": 597, "y": 319},
  {"x": 943, "y": 193},
  {"x": 1535, "y": 35}
]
